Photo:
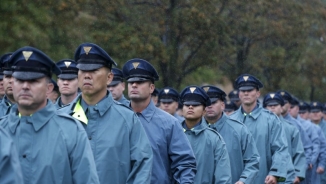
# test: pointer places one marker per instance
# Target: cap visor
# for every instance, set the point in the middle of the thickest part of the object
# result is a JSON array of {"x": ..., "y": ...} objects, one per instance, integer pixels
[
  {"x": 6, "y": 72},
  {"x": 27, "y": 75},
  {"x": 272, "y": 103},
  {"x": 67, "y": 76},
  {"x": 166, "y": 100},
  {"x": 191, "y": 103},
  {"x": 213, "y": 100},
  {"x": 303, "y": 111},
  {"x": 246, "y": 88},
  {"x": 88, "y": 67},
  {"x": 113, "y": 83},
  {"x": 315, "y": 110},
  {"x": 137, "y": 79},
  {"x": 234, "y": 99}
]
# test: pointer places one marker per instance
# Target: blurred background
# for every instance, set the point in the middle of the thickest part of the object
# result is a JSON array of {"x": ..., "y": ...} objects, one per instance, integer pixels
[{"x": 188, "y": 41}]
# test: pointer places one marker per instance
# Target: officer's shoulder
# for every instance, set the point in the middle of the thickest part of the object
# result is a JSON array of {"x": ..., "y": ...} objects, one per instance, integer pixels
[
  {"x": 233, "y": 121},
  {"x": 119, "y": 104},
  {"x": 270, "y": 114},
  {"x": 214, "y": 133},
  {"x": 66, "y": 120}
]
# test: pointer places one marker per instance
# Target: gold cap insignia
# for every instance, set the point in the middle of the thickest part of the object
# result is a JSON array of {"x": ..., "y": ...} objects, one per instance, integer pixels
[
  {"x": 235, "y": 92},
  {"x": 67, "y": 63},
  {"x": 166, "y": 91},
  {"x": 272, "y": 95},
  {"x": 135, "y": 64},
  {"x": 206, "y": 89},
  {"x": 315, "y": 104},
  {"x": 27, "y": 54},
  {"x": 192, "y": 89},
  {"x": 282, "y": 93},
  {"x": 87, "y": 49},
  {"x": 245, "y": 78}
]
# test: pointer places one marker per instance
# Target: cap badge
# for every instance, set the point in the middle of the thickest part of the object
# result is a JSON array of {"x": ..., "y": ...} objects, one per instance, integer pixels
[
  {"x": 27, "y": 54},
  {"x": 192, "y": 89},
  {"x": 166, "y": 91},
  {"x": 206, "y": 89},
  {"x": 315, "y": 104},
  {"x": 282, "y": 93},
  {"x": 245, "y": 78},
  {"x": 135, "y": 64},
  {"x": 87, "y": 49},
  {"x": 272, "y": 95},
  {"x": 67, "y": 63},
  {"x": 235, "y": 92}
]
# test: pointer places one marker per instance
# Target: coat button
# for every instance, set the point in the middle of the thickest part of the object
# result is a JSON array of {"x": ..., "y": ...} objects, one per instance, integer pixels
[
  {"x": 24, "y": 156},
  {"x": 90, "y": 138}
]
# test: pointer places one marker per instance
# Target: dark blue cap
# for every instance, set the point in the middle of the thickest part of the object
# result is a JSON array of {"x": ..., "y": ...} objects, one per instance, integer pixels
[
  {"x": 168, "y": 94},
  {"x": 214, "y": 93},
  {"x": 136, "y": 70},
  {"x": 294, "y": 101},
  {"x": 90, "y": 56},
  {"x": 316, "y": 107},
  {"x": 324, "y": 108},
  {"x": 5, "y": 64},
  {"x": 273, "y": 99},
  {"x": 230, "y": 106},
  {"x": 56, "y": 87},
  {"x": 304, "y": 107},
  {"x": 30, "y": 63},
  {"x": 234, "y": 95},
  {"x": 247, "y": 82},
  {"x": 194, "y": 95},
  {"x": 68, "y": 68},
  {"x": 117, "y": 77},
  {"x": 287, "y": 97}
]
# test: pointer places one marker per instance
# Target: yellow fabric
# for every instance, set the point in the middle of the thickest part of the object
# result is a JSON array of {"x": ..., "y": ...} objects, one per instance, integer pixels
[{"x": 79, "y": 113}]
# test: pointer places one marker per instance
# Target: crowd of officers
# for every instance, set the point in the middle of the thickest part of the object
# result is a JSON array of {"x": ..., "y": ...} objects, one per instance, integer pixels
[{"x": 91, "y": 133}]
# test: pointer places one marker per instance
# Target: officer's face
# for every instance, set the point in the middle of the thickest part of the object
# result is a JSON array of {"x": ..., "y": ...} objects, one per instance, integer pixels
[
  {"x": 2, "y": 91},
  {"x": 249, "y": 97},
  {"x": 93, "y": 83},
  {"x": 294, "y": 110},
  {"x": 285, "y": 108},
  {"x": 316, "y": 116},
  {"x": 53, "y": 96},
  {"x": 140, "y": 91},
  {"x": 117, "y": 90},
  {"x": 193, "y": 112},
  {"x": 214, "y": 111},
  {"x": 7, "y": 84},
  {"x": 170, "y": 107},
  {"x": 68, "y": 86},
  {"x": 304, "y": 115},
  {"x": 31, "y": 95},
  {"x": 277, "y": 109}
]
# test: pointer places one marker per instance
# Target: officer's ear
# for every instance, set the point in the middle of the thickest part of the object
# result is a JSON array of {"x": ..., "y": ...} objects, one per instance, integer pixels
[
  {"x": 50, "y": 87},
  {"x": 151, "y": 87},
  {"x": 109, "y": 76}
]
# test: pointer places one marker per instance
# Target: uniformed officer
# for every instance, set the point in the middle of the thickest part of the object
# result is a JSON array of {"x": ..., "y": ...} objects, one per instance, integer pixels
[
  {"x": 67, "y": 82},
  {"x": 230, "y": 107},
  {"x": 9, "y": 166},
  {"x": 117, "y": 87},
  {"x": 155, "y": 97},
  {"x": 52, "y": 147},
  {"x": 8, "y": 99},
  {"x": 241, "y": 146},
  {"x": 54, "y": 94},
  {"x": 174, "y": 159},
  {"x": 297, "y": 164},
  {"x": 316, "y": 115},
  {"x": 168, "y": 99},
  {"x": 2, "y": 91},
  {"x": 214, "y": 167},
  {"x": 266, "y": 129},
  {"x": 311, "y": 148},
  {"x": 304, "y": 110},
  {"x": 120, "y": 146},
  {"x": 234, "y": 97}
]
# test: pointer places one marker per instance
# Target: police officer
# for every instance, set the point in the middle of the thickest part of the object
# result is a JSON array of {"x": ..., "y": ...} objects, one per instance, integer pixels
[
  {"x": 51, "y": 146},
  {"x": 297, "y": 164},
  {"x": 316, "y": 117},
  {"x": 2, "y": 91},
  {"x": 8, "y": 99},
  {"x": 155, "y": 97},
  {"x": 265, "y": 128},
  {"x": 174, "y": 159},
  {"x": 168, "y": 100},
  {"x": 214, "y": 168},
  {"x": 67, "y": 82},
  {"x": 234, "y": 97},
  {"x": 120, "y": 146},
  {"x": 230, "y": 107},
  {"x": 9, "y": 167},
  {"x": 117, "y": 87},
  {"x": 241, "y": 146},
  {"x": 54, "y": 94}
]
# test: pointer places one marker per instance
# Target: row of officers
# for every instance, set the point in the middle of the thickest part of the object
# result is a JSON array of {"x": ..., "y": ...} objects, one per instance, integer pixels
[{"x": 96, "y": 135}]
